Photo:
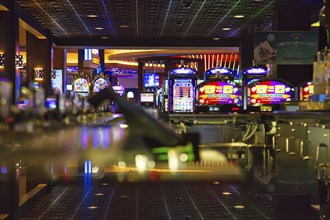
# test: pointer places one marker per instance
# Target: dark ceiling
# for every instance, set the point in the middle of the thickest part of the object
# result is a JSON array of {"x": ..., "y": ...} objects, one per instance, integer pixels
[{"x": 141, "y": 20}]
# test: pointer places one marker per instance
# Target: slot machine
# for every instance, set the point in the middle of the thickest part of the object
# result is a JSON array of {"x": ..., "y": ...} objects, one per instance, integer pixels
[
  {"x": 218, "y": 95},
  {"x": 181, "y": 85},
  {"x": 268, "y": 95},
  {"x": 250, "y": 75}
]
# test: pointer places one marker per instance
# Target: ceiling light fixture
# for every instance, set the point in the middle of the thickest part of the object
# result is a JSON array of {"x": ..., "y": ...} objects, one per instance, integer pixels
[
  {"x": 226, "y": 29},
  {"x": 239, "y": 16},
  {"x": 98, "y": 28},
  {"x": 124, "y": 26},
  {"x": 216, "y": 38},
  {"x": 104, "y": 38},
  {"x": 92, "y": 16}
]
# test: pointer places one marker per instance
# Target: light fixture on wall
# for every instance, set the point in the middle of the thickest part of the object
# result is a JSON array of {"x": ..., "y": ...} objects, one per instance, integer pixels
[
  {"x": 19, "y": 62},
  {"x": 2, "y": 60},
  {"x": 38, "y": 74}
]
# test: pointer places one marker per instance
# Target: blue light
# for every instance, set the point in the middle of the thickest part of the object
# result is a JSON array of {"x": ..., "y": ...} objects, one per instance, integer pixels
[
  {"x": 89, "y": 166},
  {"x": 3, "y": 169},
  {"x": 86, "y": 169}
]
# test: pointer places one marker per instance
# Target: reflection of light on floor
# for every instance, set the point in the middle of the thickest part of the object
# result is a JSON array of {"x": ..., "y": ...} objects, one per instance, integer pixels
[
  {"x": 99, "y": 194},
  {"x": 239, "y": 207},
  {"x": 92, "y": 207}
]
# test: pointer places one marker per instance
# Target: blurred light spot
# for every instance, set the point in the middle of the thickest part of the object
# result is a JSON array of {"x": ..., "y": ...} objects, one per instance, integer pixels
[
  {"x": 104, "y": 184},
  {"x": 3, "y": 169},
  {"x": 239, "y": 207},
  {"x": 183, "y": 157},
  {"x": 99, "y": 194},
  {"x": 141, "y": 162},
  {"x": 226, "y": 193},
  {"x": 123, "y": 126},
  {"x": 151, "y": 164},
  {"x": 92, "y": 207},
  {"x": 216, "y": 183},
  {"x": 95, "y": 169},
  {"x": 121, "y": 164},
  {"x": 173, "y": 162}
]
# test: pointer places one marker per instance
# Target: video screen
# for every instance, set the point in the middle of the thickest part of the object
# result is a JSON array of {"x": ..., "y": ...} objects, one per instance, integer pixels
[
  {"x": 147, "y": 97},
  {"x": 151, "y": 80},
  {"x": 218, "y": 93},
  {"x": 269, "y": 92},
  {"x": 51, "y": 103},
  {"x": 183, "y": 95},
  {"x": 306, "y": 91},
  {"x": 120, "y": 90}
]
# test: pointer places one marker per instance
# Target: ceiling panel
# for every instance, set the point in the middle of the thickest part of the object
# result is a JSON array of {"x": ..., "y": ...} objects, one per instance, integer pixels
[{"x": 151, "y": 19}]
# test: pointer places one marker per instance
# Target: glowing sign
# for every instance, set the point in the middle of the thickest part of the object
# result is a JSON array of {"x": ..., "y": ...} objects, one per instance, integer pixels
[
  {"x": 219, "y": 70},
  {"x": 269, "y": 92},
  {"x": 183, "y": 70},
  {"x": 255, "y": 71},
  {"x": 218, "y": 93}
]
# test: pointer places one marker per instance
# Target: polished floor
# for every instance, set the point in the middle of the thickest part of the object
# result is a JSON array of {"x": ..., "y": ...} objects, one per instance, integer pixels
[{"x": 106, "y": 200}]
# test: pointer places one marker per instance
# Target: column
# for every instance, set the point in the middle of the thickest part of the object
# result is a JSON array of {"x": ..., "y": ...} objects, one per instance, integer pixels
[
  {"x": 39, "y": 55},
  {"x": 59, "y": 62},
  {"x": 245, "y": 50},
  {"x": 9, "y": 47},
  {"x": 102, "y": 65}
]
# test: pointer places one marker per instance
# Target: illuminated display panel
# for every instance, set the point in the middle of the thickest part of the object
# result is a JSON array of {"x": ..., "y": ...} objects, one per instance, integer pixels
[
  {"x": 269, "y": 92},
  {"x": 100, "y": 84},
  {"x": 147, "y": 97},
  {"x": 220, "y": 70},
  {"x": 80, "y": 85},
  {"x": 218, "y": 93},
  {"x": 183, "y": 71},
  {"x": 306, "y": 91},
  {"x": 183, "y": 95},
  {"x": 119, "y": 90},
  {"x": 151, "y": 80},
  {"x": 255, "y": 71}
]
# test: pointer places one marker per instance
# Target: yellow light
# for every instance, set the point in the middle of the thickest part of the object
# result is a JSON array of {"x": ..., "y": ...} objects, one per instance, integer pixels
[
  {"x": 121, "y": 164},
  {"x": 226, "y": 29},
  {"x": 92, "y": 207},
  {"x": 98, "y": 28},
  {"x": 239, "y": 16},
  {"x": 226, "y": 193},
  {"x": 122, "y": 62},
  {"x": 239, "y": 207},
  {"x": 183, "y": 157},
  {"x": 216, "y": 183},
  {"x": 92, "y": 16},
  {"x": 316, "y": 24}
]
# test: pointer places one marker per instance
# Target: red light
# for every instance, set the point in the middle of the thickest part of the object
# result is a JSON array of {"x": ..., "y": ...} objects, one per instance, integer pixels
[{"x": 234, "y": 108}]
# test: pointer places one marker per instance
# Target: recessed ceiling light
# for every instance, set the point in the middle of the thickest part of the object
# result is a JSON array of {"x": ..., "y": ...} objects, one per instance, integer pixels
[
  {"x": 124, "y": 26},
  {"x": 239, "y": 207},
  {"x": 92, "y": 207},
  {"x": 216, "y": 38},
  {"x": 98, "y": 28},
  {"x": 226, "y": 29},
  {"x": 104, "y": 38},
  {"x": 226, "y": 193},
  {"x": 239, "y": 16},
  {"x": 92, "y": 16}
]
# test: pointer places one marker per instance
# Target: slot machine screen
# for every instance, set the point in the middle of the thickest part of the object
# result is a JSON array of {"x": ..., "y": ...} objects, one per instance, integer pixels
[
  {"x": 269, "y": 92},
  {"x": 147, "y": 97},
  {"x": 183, "y": 95},
  {"x": 51, "y": 103},
  {"x": 151, "y": 80},
  {"x": 306, "y": 91},
  {"x": 218, "y": 93},
  {"x": 100, "y": 84}
]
